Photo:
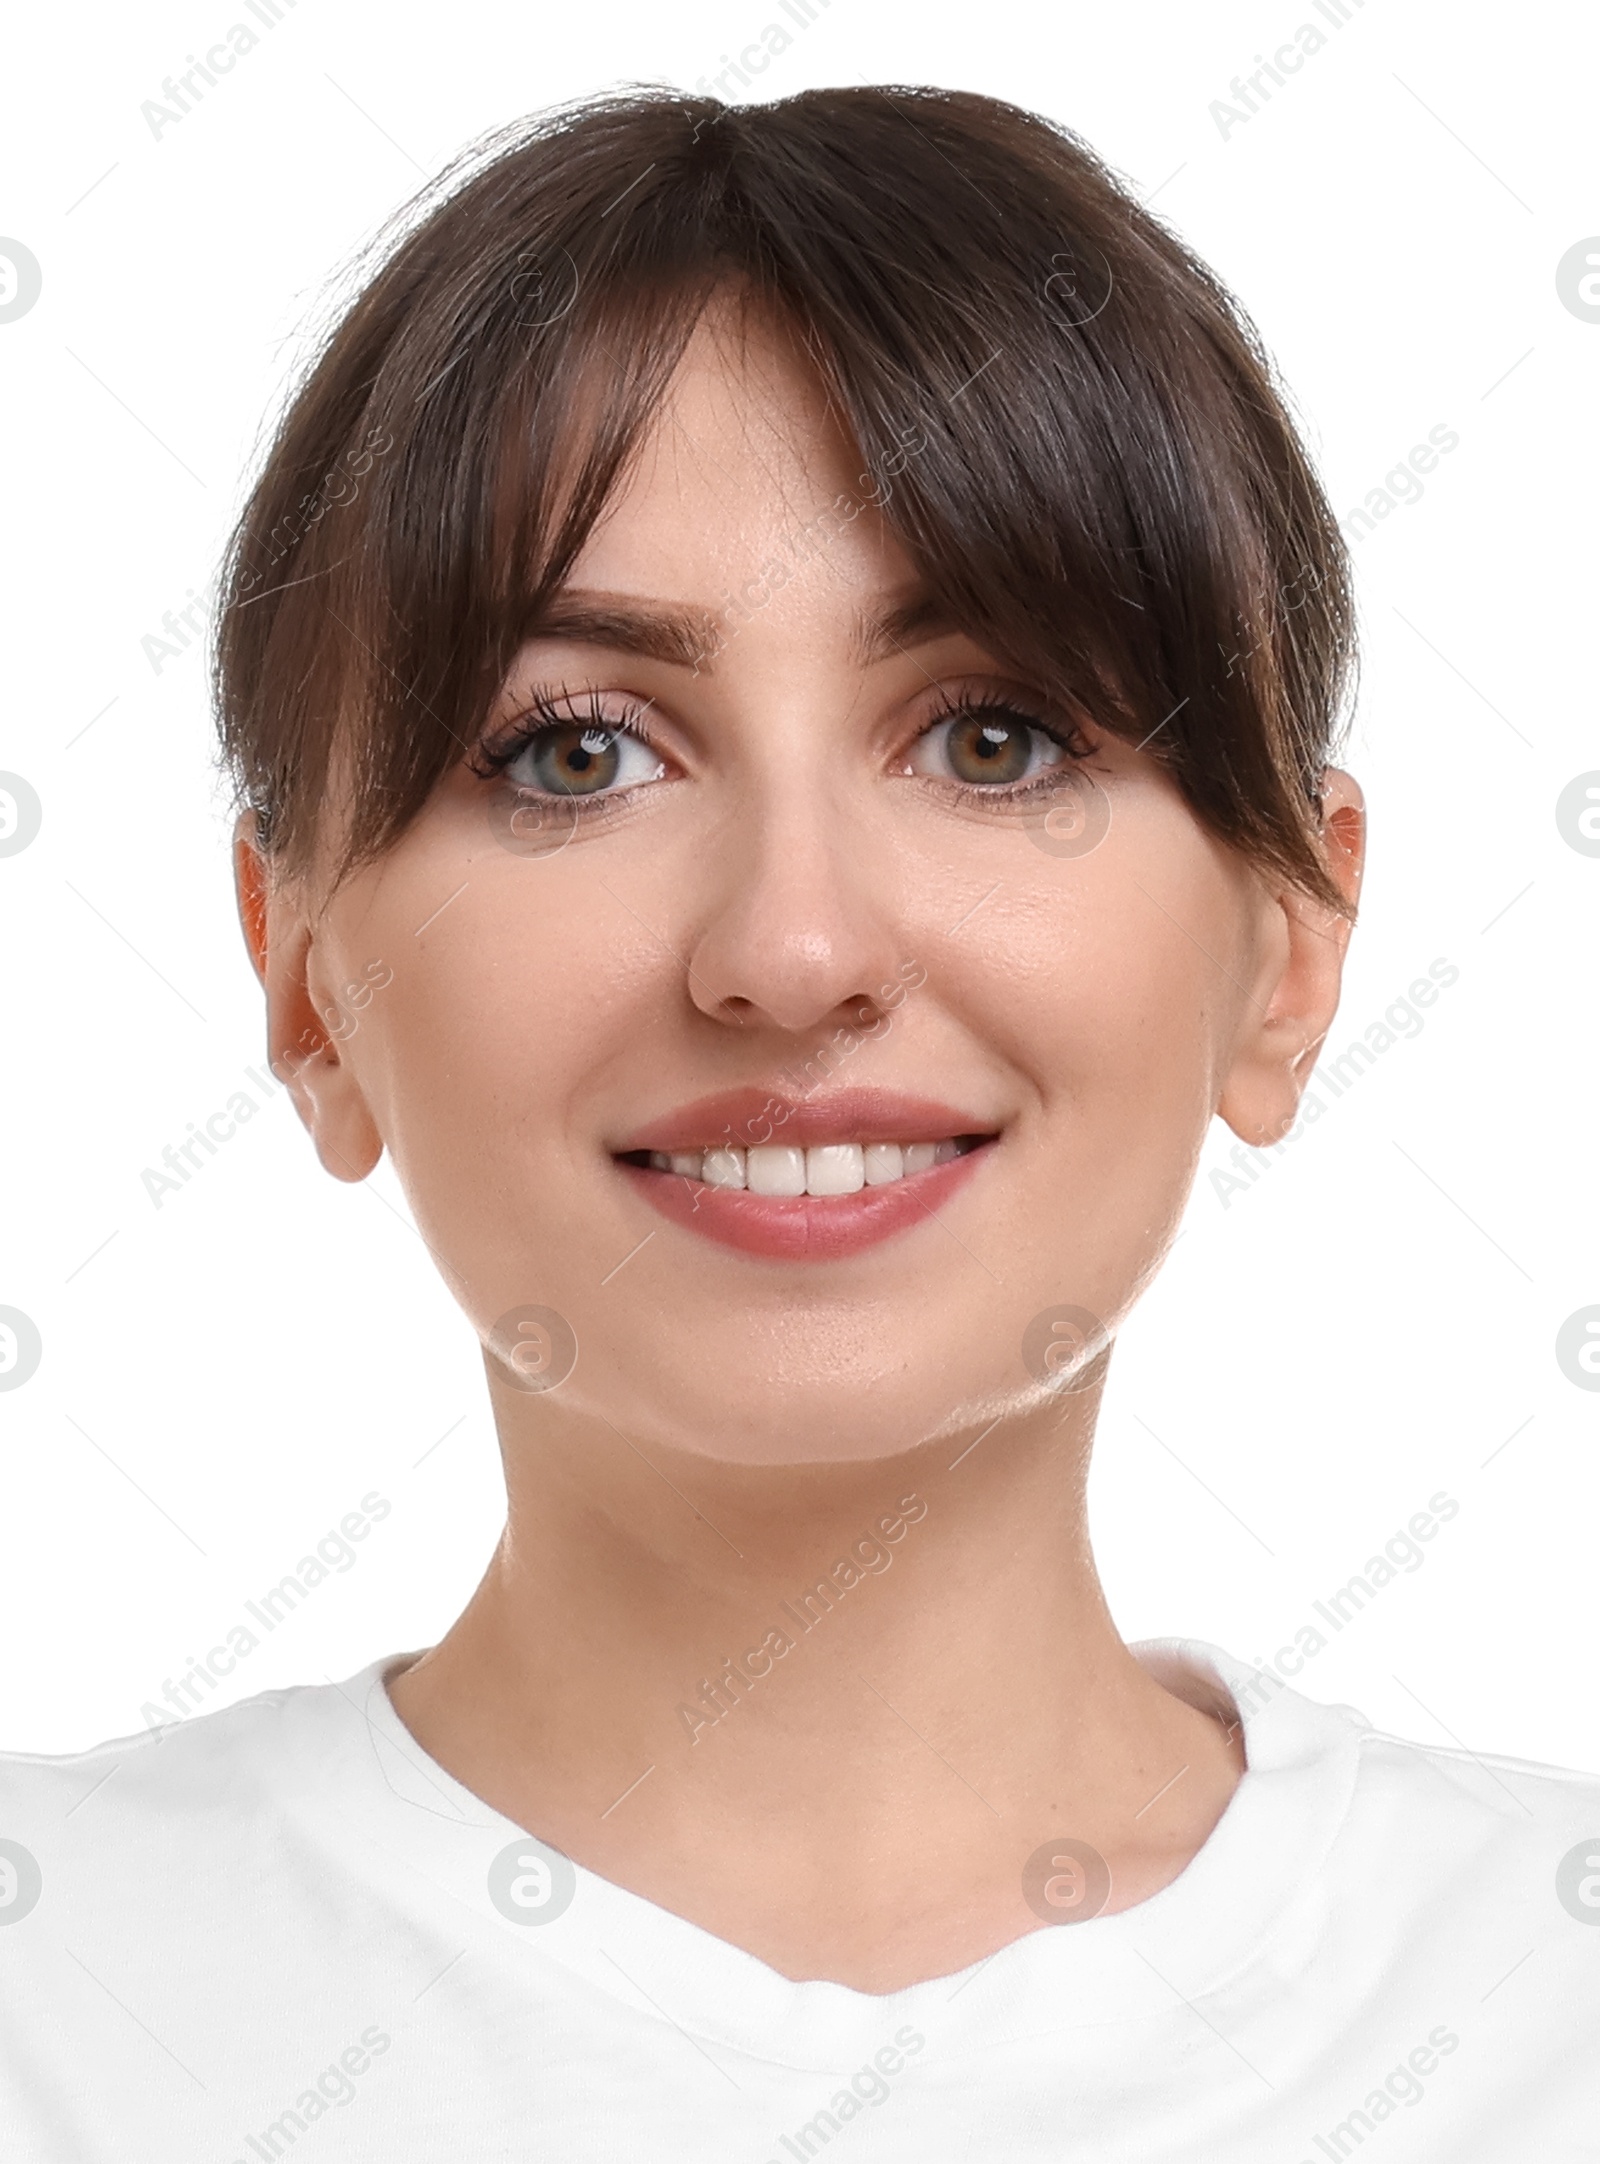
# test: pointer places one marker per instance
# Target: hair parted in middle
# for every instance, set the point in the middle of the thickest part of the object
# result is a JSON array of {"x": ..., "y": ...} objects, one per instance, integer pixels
[{"x": 1063, "y": 414}]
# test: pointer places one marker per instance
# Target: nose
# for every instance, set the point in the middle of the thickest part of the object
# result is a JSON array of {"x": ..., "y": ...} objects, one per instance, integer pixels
[{"x": 800, "y": 928}]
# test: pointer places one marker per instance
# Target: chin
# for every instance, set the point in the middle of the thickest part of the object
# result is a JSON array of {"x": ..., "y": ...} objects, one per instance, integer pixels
[{"x": 812, "y": 1403}]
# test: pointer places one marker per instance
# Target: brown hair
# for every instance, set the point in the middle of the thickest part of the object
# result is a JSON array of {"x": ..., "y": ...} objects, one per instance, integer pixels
[{"x": 1104, "y": 485}]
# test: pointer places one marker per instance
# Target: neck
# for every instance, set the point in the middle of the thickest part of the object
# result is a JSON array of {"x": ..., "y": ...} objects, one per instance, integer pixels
[{"x": 784, "y": 1702}]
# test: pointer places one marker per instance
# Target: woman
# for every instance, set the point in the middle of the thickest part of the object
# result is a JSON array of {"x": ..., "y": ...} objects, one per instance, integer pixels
[{"x": 783, "y": 672}]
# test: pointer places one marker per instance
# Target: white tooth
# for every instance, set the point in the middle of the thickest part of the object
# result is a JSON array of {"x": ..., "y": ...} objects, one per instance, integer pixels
[
  {"x": 835, "y": 1168},
  {"x": 660, "y": 1161},
  {"x": 686, "y": 1161},
  {"x": 724, "y": 1168},
  {"x": 885, "y": 1161},
  {"x": 919, "y": 1156},
  {"x": 944, "y": 1151},
  {"x": 775, "y": 1168}
]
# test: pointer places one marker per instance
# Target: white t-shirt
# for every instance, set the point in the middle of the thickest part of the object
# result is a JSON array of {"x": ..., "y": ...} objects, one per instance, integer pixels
[{"x": 283, "y": 1927}]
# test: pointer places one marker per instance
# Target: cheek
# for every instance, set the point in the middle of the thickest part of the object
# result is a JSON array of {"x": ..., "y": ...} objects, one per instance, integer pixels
[
  {"x": 500, "y": 1018},
  {"x": 1109, "y": 990},
  {"x": 1124, "y": 1111}
]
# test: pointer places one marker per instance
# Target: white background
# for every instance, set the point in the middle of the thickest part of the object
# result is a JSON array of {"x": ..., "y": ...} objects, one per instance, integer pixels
[{"x": 1373, "y": 1320}]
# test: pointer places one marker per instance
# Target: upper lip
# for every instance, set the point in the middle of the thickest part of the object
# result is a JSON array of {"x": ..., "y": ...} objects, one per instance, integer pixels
[{"x": 747, "y": 1117}]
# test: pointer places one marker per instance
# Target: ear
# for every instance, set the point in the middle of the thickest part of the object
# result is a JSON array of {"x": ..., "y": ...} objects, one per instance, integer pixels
[
  {"x": 1294, "y": 1008},
  {"x": 282, "y": 939}
]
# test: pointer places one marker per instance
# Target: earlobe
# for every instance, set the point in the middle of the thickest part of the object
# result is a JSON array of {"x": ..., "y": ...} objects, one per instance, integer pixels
[
  {"x": 300, "y": 1050},
  {"x": 329, "y": 1101},
  {"x": 1284, "y": 1034}
]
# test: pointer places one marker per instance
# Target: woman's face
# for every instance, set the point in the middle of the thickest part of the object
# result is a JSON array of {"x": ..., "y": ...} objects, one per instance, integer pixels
[{"x": 816, "y": 921}]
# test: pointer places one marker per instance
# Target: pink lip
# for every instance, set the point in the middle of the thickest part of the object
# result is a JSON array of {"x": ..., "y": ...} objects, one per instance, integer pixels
[
  {"x": 740, "y": 1117},
  {"x": 806, "y": 1228}
]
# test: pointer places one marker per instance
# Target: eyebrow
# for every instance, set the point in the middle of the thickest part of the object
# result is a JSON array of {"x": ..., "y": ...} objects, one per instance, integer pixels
[{"x": 691, "y": 637}]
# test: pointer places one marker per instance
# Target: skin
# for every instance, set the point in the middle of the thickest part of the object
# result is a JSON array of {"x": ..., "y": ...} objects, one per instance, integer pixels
[{"x": 734, "y": 1424}]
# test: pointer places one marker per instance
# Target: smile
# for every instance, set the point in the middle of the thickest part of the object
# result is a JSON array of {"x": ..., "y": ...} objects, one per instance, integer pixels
[
  {"x": 828, "y": 1168},
  {"x": 849, "y": 1172}
]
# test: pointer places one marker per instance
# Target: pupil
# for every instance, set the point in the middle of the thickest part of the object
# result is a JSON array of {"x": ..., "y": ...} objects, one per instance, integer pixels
[
  {"x": 577, "y": 761},
  {"x": 989, "y": 750}
]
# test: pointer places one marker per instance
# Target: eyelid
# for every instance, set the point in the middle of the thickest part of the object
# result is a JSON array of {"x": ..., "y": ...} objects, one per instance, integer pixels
[
  {"x": 563, "y": 709},
  {"x": 981, "y": 692},
  {"x": 1062, "y": 724}
]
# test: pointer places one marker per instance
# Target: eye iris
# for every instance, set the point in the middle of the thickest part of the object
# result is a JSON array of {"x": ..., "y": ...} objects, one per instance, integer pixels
[
  {"x": 984, "y": 748},
  {"x": 577, "y": 760}
]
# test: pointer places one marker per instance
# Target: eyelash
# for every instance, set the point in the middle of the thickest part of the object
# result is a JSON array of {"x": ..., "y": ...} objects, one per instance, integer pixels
[
  {"x": 562, "y": 710},
  {"x": 956, "y": 706},
  {"x": 566, "y": 710}
]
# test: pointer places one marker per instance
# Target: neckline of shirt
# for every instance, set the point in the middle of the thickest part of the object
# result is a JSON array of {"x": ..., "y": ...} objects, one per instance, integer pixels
[{"x": 1252, "y": 1876}]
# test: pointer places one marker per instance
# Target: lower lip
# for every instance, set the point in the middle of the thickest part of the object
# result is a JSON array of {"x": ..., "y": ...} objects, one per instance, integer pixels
[{"x": 803, "y": 1228}]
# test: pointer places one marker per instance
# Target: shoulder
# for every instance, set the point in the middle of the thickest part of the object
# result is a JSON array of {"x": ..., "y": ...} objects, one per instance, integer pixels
[
  {"x": 164, "y": 1767},
  {"x": 1447, "y": 1808},
  {"x": 174, "y": 1796},
  {"x": 1438, "y": 1798},
  {"x": 1477, "y": 1875},
  {"x": 1403, "y": 1850}
]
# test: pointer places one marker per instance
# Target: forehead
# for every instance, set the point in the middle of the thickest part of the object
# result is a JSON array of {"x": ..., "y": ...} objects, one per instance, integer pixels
[{"x": 745, "y": 468}]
